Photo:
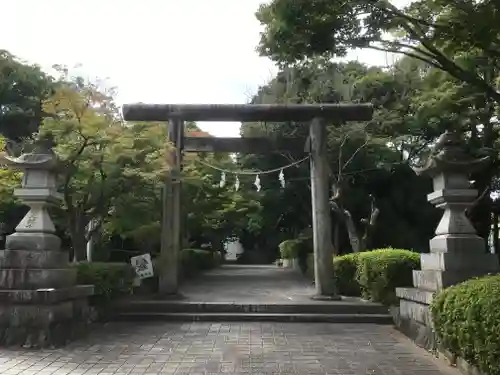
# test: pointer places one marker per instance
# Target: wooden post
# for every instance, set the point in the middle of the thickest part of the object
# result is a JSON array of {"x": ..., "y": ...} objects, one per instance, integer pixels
[
  {"x": 322, "y": 226},
  {"x": 170, "y": 234}
]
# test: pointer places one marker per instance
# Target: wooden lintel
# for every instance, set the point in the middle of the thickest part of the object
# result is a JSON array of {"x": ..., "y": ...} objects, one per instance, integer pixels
[
  {"x": 244, "y": 145},
  {"x": 248, "y": 112}
]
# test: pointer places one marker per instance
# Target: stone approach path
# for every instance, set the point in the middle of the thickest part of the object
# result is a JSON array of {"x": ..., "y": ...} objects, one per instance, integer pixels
[
  {"x": 265, "y": 284},
  {"x": 154, "y": 348}
]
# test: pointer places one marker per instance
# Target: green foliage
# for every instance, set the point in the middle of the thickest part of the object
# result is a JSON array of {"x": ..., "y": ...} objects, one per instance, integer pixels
[
  {"x": 345, "y": 268},
  {"x": 289, "y": 249},
  {"x": 380, "y": 272},
  {"x": 439, "y": 33},
  {"x": 372, "y": 274},
  {"x": 194, "y": 261},
  {"x": 216, "y": 213},
  {"x": 365, "y": 158},
  {"x": 447, "y": 79},
  {"x": 110, "y": 280},
  {"x": 466, "y": 320},
  {"x": 23, "y": 88},
  {"x": 110, "y": 168},
  {"x": 9, "y": 180}
]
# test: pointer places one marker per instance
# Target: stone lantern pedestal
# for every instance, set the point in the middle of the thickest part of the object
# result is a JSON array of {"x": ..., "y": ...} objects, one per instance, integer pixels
[
  {"x": 457, "y": 253},
  {"x": 40, "y": 303}
]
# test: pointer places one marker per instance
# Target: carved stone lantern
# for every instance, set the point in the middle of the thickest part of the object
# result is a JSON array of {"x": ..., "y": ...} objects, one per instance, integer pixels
[
  {"x": 457, "y": 253},
  {"x": 40, "y": 303}
]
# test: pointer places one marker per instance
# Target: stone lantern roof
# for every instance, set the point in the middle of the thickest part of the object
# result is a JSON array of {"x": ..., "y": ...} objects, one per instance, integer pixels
[{"x": 450, "y": 155}]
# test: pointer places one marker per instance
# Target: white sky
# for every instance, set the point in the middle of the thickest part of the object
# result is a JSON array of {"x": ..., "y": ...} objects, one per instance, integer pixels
[{"x": 153, "y": 51}]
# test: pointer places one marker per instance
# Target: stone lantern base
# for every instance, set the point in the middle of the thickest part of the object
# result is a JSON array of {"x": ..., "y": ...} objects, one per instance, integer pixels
[
  {"x": 439, "y": 270},
  {"x": 40, "y": 305}
]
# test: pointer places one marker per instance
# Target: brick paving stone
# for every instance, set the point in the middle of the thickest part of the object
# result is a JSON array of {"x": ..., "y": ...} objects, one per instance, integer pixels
[{"x": 229, "y": 349}]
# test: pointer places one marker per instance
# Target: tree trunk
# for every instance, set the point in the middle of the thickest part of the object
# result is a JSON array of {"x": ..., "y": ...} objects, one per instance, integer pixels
[
  {"x": 78, "y": 239},
  {"x": 354, "y": 237},
  {"x": 370, "y": 225},
  {"x": 495, "y": 233},
  {"x": 336, "y": 237},
  {"x": 79, "y": 245},
  {"x": 480, "y": 213}
]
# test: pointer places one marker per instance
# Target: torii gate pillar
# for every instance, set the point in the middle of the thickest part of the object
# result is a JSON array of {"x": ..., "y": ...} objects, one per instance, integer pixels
[
  {"x": 321, "y": 219},
  {"x": 171, "y": 216}
]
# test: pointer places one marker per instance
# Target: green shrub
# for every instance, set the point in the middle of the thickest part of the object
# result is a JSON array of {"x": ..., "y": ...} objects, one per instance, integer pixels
[
  {"x": 194, "y": 260},
  {"x": 344, "y": 270},
  {"x": 191, "y": 261},
  {"x": 289, "y": 249},
  {"x": 381, "y": 271},
  {"x": 110, "y": 280},
  {"x": 466, "y": 320}
]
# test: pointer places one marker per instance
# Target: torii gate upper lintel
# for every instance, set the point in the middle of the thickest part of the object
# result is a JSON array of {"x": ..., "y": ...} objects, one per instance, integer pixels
[{"x": 316, "y": 114}]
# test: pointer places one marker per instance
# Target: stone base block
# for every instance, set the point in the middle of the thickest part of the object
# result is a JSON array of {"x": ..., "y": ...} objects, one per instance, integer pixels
[
  {"x": 416, "y": 311},
  {"x": 458, "y": 243},
  {"x": 434, "y": 280},
  {"x": 45, "y": 296},
  {"x": 421, "y": 334},
  {"x": 33, "y": 241},
  {"x": 459, "y": 261},
  {"x": 417, "y": 295},
  {"x": 36, "y": 325},
  {"x": 32, "y": 279},
  {"x": 33, "y": 259}
]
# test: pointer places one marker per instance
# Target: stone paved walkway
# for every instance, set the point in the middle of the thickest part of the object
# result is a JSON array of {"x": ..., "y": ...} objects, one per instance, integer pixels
[
  {"x": 247, "y": 348},
  {"x": 256, "y": 284},
  {"x": 233, "y": 348}
]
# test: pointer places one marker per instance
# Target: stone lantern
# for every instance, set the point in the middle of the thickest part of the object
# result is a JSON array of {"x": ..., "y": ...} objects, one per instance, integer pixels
[
  {"x": 457, "y": 253},
  {"x": 40, "y": 303}
]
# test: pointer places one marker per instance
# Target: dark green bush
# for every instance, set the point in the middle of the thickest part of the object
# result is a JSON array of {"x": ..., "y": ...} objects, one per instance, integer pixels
[
  {"x": 110, "y": 280},
  {"x": 344, "y": 270},
  {"x": 466, "y": 320},
  {"x": 194, "y": 260},
  {"x": 381, "y": 271},
  {"x": 289, "y": 249}
]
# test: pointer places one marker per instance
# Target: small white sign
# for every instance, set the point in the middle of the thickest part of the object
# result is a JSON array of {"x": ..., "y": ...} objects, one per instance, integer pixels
[{"x": 143, "y": 265}]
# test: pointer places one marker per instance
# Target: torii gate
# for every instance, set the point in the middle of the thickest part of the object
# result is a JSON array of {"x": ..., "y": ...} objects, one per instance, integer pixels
[{"x": 316, "y": 114}]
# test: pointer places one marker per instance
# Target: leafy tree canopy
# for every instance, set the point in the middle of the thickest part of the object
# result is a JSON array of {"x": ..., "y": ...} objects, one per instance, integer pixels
[
  {"x": 23, "y": 88},
  {"x": 460, "y": 37}
]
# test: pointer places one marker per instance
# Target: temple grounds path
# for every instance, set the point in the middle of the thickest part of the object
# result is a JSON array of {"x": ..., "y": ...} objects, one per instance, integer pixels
[{"x": 258, "y": 348}]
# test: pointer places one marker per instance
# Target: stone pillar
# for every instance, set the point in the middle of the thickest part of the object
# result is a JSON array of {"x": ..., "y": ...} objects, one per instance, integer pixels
[
  {"x": 40, "y": 303},
  {"x": 322, "y": 225},
  {"x": 457, "y": 253}
]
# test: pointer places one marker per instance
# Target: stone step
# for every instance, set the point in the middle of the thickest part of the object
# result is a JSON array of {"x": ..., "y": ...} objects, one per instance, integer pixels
[
  {"x": 337, "y": 307},
  {"x": 254, "y": 317}
]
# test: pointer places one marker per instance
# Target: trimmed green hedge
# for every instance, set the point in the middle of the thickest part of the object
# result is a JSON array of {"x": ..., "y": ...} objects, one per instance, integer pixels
[
  {"x": 381, "y": 271},
  {"x": 466, "y": 320},
  {"x": 373, "y": 274},
  {"x": 194, "y": 260},
  {"x": 289, "y": 249},
  {"x": 110, "y": 280},
  {"x": 345, "y": 268}
]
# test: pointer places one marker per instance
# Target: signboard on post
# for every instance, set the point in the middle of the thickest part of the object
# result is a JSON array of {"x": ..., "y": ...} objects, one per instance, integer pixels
[{"x": 143, "y": 266}]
